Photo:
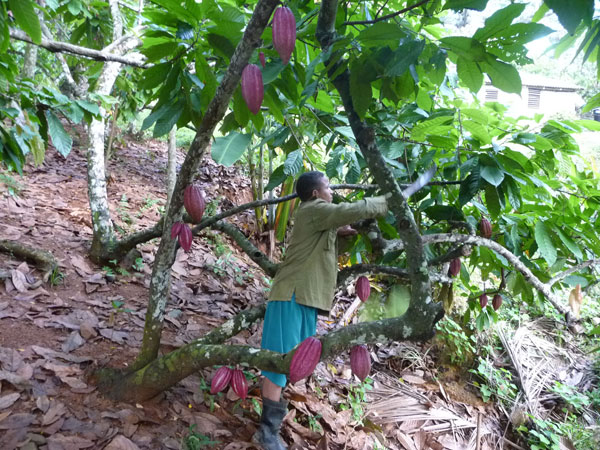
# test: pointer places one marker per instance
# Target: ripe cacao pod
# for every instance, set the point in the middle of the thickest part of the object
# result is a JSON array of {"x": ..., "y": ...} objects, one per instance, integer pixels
[
  {"x": 261, "y": 56},
  {"x": 185, "y": 237},
  {"x": 253, "y": 90},
  {"x": 305, "y": 359},
  {"x": 497, "y": 301},
  {"x": 239, "y": 383},
  {"x": 176, "y": 229},
  {"x": 363, "y": 288},
  {"x": 360, "y": 361},
  {"x": 284, "y": 33},
  {"x": 454, "y": 267},
  {"x": 194, "y": 203},
  {"x": 221, "y": 379},
  {"x": 483, "y": 300},
  {"x": 485, "y": 228}
]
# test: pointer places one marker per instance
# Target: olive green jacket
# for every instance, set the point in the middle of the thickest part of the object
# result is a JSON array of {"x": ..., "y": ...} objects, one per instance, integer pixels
[{"x": 310, "y": 265}]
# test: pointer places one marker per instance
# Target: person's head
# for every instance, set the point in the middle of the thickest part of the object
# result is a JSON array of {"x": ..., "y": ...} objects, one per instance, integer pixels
[{"x": 312, "y": 185}]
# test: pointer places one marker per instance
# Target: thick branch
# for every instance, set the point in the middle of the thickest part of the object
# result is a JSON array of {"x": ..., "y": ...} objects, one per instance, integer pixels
[
  {"x": 389, "y": 16},
  {"x": 361, "y": 269},
  {"x": 64, "y": 47},
  {"x": 44, "y": 259}
]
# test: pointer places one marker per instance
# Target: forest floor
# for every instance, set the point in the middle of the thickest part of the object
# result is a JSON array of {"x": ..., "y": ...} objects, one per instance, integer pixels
[{"x": 52, "y": 335}]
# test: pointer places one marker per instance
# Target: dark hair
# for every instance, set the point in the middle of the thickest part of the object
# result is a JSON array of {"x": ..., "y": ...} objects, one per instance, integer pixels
[{"x": 307, "y": 183}]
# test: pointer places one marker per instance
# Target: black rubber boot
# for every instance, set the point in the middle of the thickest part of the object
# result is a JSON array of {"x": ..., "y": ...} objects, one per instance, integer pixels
[{"x": 270, "y": 424}]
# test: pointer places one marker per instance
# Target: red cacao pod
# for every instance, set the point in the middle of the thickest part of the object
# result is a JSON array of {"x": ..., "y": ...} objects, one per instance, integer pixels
[
  {"x": 485, "y": 228},
  {"x": 221, "y": 379},
  {"x": 363, "y": 288},
  {"x": 263, "y": 62},
  {"x": 176, "y": 229},
  {"x": 253, "y": 90},
  {"x": 239, "y": 383},
  {"x": 284, "y": 33},
  {"x": 305, "y": 359},
  {"x": 194, "y": 203},
  {"x": 454, "y": 267},
  {"x": 497, "y": 301},
  {"x": 483, "y": 300},
  {"x": 185, "y": 237},
  {"x": 360, "y": 361}
]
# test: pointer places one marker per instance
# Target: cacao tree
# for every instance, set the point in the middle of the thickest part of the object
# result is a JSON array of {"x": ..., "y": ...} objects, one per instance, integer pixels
[{"x": 372, "y": 93}]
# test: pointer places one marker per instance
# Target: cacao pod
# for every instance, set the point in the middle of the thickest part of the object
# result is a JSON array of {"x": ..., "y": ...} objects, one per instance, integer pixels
[
  {"x": 221, "y": 379},
  {"x": 305, "y": 359},
  {"x": 194, "y": 203},
  {"x": 483, "y": 300},
  {"x": 185, "y": 237},
  {"x": 239, "y": 383},
  {"x": 363, "y": 288},
  {"x": 176, "y": 229},
  {"x": 454, "y": 267},
  {"x": 485, "y": 228},
  {"x": 284, "y": 33},
  {"x": 360, "y": 361},
  {"x": 253, "y": 90},
  {"x": 261, "y": 56},
  {"x": 497, "y": 301}
]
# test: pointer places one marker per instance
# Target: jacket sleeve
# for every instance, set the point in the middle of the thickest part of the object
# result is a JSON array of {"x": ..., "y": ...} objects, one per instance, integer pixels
[{"x": 327, "y": 215}]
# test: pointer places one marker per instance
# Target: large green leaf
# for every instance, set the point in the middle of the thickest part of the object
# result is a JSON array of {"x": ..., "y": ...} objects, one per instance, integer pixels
[
  {"x": 544, "y": 242},
  {"x": 592, "y": 103},
  {"x": 499, "y": 21},
  {"x": 360, "y": 86},
  {"x": 469, "y": 186},
  {"x": 381, "y": 33},
  {"x": 571, "y": 13},
  {"x": 403, "y": 57},
  {"x": 444, "y": 212},
  {"x": 293, "y": 163},
  {"x": 478, "y": 131},
  {"x": 492, "y": 175},
  {"x": 229, "y": 149},
  {"x": 465, "y": 47},
  {"x": 470, "y": 74},
  {"x": 478, "y": 5},
  {"x": 25, "y": 16},
  {"x": 503, "y": 75},
  {"x": 60, "y": 138},
  {"x": 277, "y": 177},
  {"x": 569, "y": 243},
  {"x": 492, "y": 200}
]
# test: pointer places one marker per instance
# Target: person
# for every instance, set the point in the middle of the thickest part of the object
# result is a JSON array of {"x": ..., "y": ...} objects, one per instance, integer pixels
[{"x": 304, "y": 284}]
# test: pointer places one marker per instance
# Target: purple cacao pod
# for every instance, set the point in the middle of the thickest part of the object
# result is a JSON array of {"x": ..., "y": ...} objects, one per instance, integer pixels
[
  {"x": 239, "y": 383},
  {"x": 483, "y": 300},
  {"x": 194, "y": 203},
  {"x": 185, "y": 237},
  {"x": 176, "y": 229},
  {"x": 497, "y": 302},
  {"x": 363, "y": 288},
  {"x": 253, "y": 90},
  {"x": 284, "y": 33},
  {"x": 305, "y": 359},
  {"x": 221, "y": 379},
  {"x": 454, "y": 267},
  {"x": 360, "y": 361},
  {"x": 485, "y": 228},
  {"x": 263, "y": 62}
]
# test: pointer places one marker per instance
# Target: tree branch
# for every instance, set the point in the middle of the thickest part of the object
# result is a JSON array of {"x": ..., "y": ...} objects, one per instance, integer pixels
[
  {"x": 389, "y": 16},
  {"x": 566, "y": 273},
  {"x": 64, "y": 47}
]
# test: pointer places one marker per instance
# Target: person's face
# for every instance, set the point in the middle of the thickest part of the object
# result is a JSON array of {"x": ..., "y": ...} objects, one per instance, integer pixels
[{"x": 324, "y": 191}]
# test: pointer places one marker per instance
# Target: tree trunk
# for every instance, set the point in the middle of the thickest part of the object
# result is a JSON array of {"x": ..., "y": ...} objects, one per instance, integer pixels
[
  {"x": 171, "y": 165},
  {"x": 30, "y": 61}
]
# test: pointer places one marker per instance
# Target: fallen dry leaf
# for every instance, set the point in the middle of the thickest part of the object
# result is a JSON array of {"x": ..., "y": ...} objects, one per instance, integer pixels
[
  {"x": 120, "y": 442},
  {"x": 8, "y": 400}
]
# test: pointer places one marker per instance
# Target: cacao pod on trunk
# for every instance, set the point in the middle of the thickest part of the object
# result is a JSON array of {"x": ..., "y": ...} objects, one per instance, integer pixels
[
  {"x": 454, "y": 267},
  {"x": 261, "y": 56},
  {"x": 485, "y": 228},
  {"x": 221, "y": 379},
  {"x": 239, "y": 383},
  {"x": 483, "y": 300},
  {"x": 176, "y": 229},
  {"x": 497, "y": 301},
  {"x": 194, "y": 203},
  {"x": 363, "y": 288},
  {"x": 305, "y": 359},
  {"x": 284, "y": 33},
  {"x": 253, "y": 90},
  {"x": 185, "y": 237},
  {"x": 360, "y": 361}
]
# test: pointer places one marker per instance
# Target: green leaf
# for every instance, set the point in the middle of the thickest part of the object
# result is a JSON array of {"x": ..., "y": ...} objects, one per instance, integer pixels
[
  {"x": 465, "y": 47},
  {"x": 514, "y": 194},
  {"x": 277, "y": 177},
  {"x": 60, "y": 138},
  {"x": 492, "y": 200},
  {"x": 159, "y": 51},
  {"x": 167, "y": 116},
  {"x": 240, "y": 108},
  {"x": 503, "y": 75},
  {"x": 569, "y": 243},
  {"x": 469, "y": 187},
  {"x": 403, "y": 57},
  {"x": 444, "y": 212},
  {"x": 499, "y": 21},
  {"x": 25, "y": 16},
  {"x": 457, "y": 5},
  {"x": 293, "y": 163},
  {"x": 470, "y": 74},
  {"x": 492, "y": 175},
  {"x": 571, "y": 13},
  {"x": 229, "y": 149},
  {"x": 154, "y": 75},
  {"x": 477, "y": 131},
  {"x": 380, "y": 34},
  {"x": 592, "y": 103},
  {"x": 360, "y": 88},
  {"x": 544, "y": 242}
]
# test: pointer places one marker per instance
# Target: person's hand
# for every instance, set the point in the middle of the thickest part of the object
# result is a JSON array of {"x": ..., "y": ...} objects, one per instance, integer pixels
[{"x": 346, "y": 230}]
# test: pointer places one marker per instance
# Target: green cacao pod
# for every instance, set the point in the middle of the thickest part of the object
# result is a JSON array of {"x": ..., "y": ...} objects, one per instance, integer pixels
[
  {"x": 284, "y": 33},
  {"x": 239, "y": 384},
  {"x": 221, "y": 379},
  {"x": 363, "y": 288},
  {"x": 485, "y": 228},
  {"x": 194, "y": 203},
  {"x": 253, "y": 90},
  {"x": 360, "y": 361},
  {"x": 305, "y": 359}
]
